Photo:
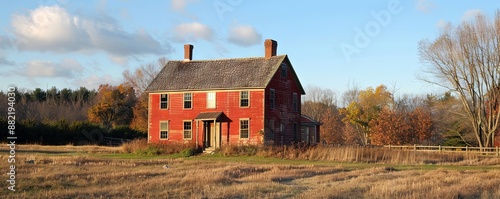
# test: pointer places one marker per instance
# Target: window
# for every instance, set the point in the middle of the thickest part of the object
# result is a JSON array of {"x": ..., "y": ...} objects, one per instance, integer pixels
[
  {"x": 188, "y": 100},
  {"x": 295, "y": 99},
  {"x": 272, "y": 98},
  {"x": 244, "y": 129},
  {"x": 163, "y": 101},
  {"x": 164, "y": 130},
  {"x": 283, "y": 70},
  {"x": 188, "y": 133},
  {"x": 211, "y": 100},
  {"x": 244, "y": 99}
]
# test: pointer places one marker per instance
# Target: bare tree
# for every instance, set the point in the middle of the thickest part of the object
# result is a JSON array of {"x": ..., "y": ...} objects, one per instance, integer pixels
[
  {"x": 351, "y": 94},
  {"x": 408, "y": 102},
  {"x": 318, "y": 101},
  {"x": 321, "y": 105},
  {"x": 144, "y": 75},
  {"x": 140, "y": 80},
  {"x": 466, "y": 60}
]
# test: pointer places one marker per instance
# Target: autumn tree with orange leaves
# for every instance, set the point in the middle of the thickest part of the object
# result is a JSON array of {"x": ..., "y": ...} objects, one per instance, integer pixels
[
  {"x": 332, "y": 128},
  {"x": 368, "y": 106},
  {"x": 398, "y": 127},
  {"x": 114, "y": 105}
]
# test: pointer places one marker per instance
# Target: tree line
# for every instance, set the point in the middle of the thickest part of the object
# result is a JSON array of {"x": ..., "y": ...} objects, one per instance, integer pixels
[
  {"x": 374, "y": 116},
  {"x": 82, "y": 116}
]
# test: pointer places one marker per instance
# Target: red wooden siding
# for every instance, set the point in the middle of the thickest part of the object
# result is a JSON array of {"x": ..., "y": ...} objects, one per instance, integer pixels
[
  {"x": 227, "y": 101},
  {"x": 283, "y": 112}
]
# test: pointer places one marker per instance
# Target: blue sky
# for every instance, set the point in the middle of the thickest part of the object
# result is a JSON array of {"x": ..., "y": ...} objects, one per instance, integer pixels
[{"x": 331, "y": 44}]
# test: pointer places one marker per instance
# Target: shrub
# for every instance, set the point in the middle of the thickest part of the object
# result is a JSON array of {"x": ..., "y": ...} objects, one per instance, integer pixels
[
  {"x": 149, "y": 150},
  {"x": 135, "y": 145},
  {"x": 141, "y": 146},
  {"x": 188, "y": 152},
  {"x": 235, "y": 150}
]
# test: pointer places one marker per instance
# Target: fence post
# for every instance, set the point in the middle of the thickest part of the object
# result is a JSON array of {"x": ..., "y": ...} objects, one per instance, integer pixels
[
  {"x": 439, "y": 148},
  {"x": 415, "y": 147},
  {"x": 466, "y": 150}
]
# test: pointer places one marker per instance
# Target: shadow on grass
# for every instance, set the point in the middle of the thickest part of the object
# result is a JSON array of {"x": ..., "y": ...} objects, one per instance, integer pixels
[{"x": 42, "y": 152}]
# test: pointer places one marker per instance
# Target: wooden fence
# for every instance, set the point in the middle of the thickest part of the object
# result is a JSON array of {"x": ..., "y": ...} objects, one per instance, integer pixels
[{"x": 486, "y": 151}]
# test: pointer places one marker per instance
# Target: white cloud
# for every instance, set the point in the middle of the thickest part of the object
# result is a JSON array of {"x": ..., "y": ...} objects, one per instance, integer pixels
[
  {"x": 192, "y": 32},
  {"x": 93, "y": 81},
  {"x": 67, "y": 68},
  {"x": 471, "y": 14},
  {"x": 244, "y": 35},
  {"x": 48, "y": 29},
  {"x": 180, "y": 5},
  {"x": 52, "y": 28},
  {"x": 425, "y": 5}
]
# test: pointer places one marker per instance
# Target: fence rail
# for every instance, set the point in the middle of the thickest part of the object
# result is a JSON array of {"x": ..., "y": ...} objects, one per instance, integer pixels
[{"x": 487, "y": 151}]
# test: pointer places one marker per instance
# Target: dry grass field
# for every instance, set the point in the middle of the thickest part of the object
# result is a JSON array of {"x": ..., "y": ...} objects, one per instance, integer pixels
[{"x": 105, "y": 172}]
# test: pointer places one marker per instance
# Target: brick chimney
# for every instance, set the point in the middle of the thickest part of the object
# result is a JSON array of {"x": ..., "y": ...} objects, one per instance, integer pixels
[
  {"x": 188, "y": 52},
  {"x": 271, "y": 47}
]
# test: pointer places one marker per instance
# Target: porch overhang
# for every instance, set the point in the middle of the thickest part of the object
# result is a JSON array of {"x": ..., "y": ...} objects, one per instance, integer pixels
[{"x": 212, "y": 116}]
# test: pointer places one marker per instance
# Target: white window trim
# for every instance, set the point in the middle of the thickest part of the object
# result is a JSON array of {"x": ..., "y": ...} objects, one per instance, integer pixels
[
  {"x": 161, "y": 101},
  {"x": 248, "y": 128},
  {"x": 248, "y": 98},
  {"x": 184, "y": 101},
  {"x": 168, "y": 129},
  {"x": 183, "y": 131}
]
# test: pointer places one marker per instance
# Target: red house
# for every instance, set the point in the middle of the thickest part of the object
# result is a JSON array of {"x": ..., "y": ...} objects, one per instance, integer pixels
[{"x": 226, "y": 101}]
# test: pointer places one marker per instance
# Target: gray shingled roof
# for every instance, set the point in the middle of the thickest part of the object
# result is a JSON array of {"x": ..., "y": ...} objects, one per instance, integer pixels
[
  {"x": 208, "y": 115},
  {"x": 216, "y": 74}
]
